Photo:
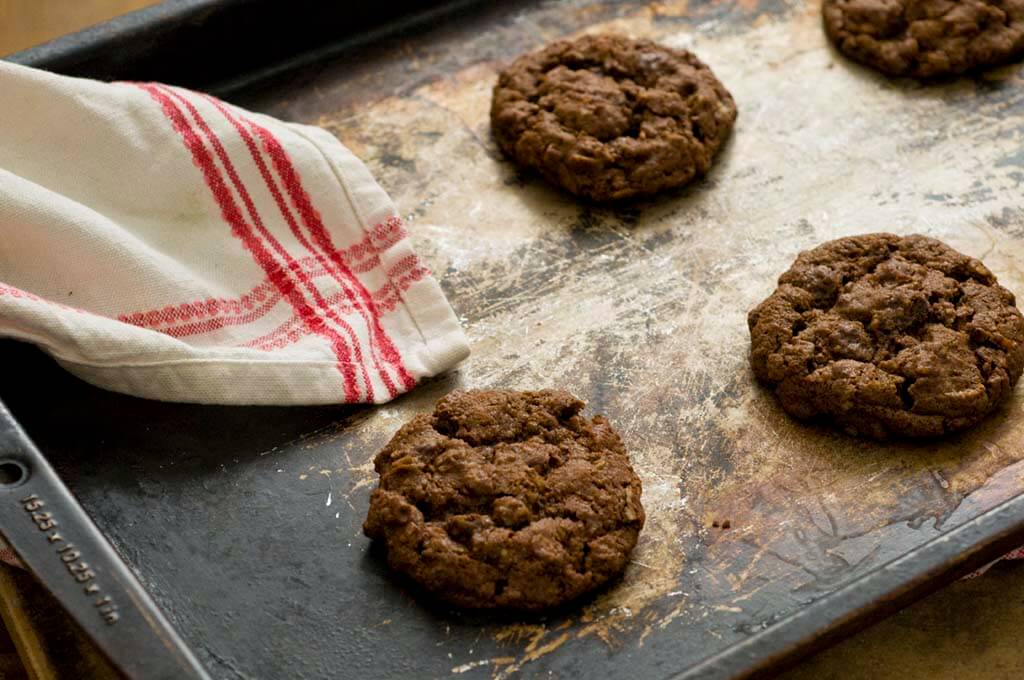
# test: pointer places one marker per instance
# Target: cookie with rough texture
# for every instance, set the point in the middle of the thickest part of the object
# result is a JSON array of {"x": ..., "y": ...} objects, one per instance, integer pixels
[
  {"x": 610, "y": 118},
  {"x": 888, "y": 337},
  {"x": 506, "y": 499},
  {"x": 926, "y": 38}
]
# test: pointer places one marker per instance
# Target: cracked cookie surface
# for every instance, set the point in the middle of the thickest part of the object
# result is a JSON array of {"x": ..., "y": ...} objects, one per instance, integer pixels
[
  {"x": 926, "y": 38},
  {"x": 610, "y": 118},
  {"x": 503, "y": 499},
  {"x": 888, "y": 336}
]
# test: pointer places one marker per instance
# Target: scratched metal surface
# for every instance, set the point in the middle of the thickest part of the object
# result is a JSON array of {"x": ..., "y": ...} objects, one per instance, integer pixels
[{"x": 245, "y": 523}]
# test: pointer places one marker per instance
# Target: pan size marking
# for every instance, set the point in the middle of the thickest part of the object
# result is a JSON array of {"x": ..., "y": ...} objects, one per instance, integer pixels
[{"x": 71, "y": 557}]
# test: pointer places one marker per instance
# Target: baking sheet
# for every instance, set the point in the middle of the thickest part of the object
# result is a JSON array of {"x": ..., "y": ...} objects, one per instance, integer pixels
[{"x": 245, "y": 523}]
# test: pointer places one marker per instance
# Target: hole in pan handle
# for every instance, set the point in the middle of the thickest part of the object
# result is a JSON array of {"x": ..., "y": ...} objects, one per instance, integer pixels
[{"x": 57, "y": 541}]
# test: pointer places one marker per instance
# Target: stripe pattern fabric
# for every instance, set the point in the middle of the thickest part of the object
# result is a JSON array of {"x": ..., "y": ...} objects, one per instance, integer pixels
[{"x": 162, "y": 243}]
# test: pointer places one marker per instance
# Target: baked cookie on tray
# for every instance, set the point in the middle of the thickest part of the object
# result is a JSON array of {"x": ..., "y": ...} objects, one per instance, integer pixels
[
  {"x": 888, "y": 336},
  {"x": 610, "y": 118},
  {"x": 503, "y": 499},
  {"x": 926, "y": 38}
]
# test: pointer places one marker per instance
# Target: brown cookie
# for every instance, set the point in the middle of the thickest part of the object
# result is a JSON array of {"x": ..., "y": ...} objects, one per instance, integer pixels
[
  {"x": 610, "y": 118},
  {"x": 926, "y": 38},
  {"x": 888, "y": 336},
  {"x": 506, "y": 499}
]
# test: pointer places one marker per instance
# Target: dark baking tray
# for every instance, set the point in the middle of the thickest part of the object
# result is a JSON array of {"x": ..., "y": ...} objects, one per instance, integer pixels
[{"x": 244, "y": 523}]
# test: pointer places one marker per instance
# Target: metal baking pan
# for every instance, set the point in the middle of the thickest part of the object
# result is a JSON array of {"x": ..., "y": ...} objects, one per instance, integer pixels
[{"x": 244, "y": 523}]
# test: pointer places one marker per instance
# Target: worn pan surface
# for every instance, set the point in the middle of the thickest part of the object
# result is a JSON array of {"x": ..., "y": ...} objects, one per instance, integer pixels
[{"x": 245, "y": 523}]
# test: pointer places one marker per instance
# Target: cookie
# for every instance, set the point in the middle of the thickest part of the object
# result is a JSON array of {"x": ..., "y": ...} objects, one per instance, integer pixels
[
  {"x": 502, "y": 499},
  {"x": 926, "y": 38},
  {"x": 888, "y": 337},
  {"x": 609, "y": 118}
]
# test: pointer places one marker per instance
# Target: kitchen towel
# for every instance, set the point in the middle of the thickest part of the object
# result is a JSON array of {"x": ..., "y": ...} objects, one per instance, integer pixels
[{"x": 162, "y": 243}]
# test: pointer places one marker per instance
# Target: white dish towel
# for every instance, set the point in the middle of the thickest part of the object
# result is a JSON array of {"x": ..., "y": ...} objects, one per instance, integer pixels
[{"x": 164, "y": 244}]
